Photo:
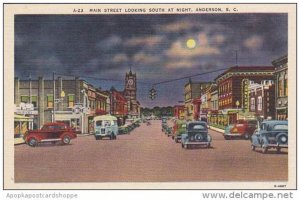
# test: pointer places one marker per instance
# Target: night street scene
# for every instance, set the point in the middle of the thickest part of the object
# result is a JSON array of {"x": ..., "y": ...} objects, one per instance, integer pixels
[{"x": 151, "y": 98}]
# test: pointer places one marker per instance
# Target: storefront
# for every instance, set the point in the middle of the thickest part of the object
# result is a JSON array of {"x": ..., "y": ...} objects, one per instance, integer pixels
[
  {"x": 74, "y": 120},
  {"x": 21, "y": 125},
  {"x": 282, "y": 113}
]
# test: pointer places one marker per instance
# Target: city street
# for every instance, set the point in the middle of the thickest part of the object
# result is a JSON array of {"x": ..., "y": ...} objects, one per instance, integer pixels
[{"x": 147, "y": 154}]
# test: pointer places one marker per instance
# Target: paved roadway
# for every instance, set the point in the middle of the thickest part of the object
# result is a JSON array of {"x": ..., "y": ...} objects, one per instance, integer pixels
[{"x": 146, "y": 155}]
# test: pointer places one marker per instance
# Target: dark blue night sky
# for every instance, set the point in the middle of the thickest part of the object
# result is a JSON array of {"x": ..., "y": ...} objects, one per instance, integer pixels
[{"x": 104, "y": 46}]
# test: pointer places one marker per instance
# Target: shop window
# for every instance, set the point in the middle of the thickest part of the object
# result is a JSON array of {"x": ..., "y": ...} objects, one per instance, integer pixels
[
  {"x": 280, "y": 88},
  {"x": 34, "y": 101},
  {"x": 71, "y": 100},
  {"x": 285, "y": 85},
  {"x": 24, "y": 99},
  {"x": 50, "y": 101},
  {"x": 252, "y": 104},
  {"x": 259, "y": 103}
]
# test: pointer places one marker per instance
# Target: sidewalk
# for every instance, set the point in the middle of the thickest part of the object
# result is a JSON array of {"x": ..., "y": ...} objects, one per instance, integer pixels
[
  {"x": 216, "y": 129},
  {"x": 19, "y": 141}
]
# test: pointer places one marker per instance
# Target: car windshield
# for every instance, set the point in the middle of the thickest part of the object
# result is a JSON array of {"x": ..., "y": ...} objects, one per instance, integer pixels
[
  {"x": 197, "y": 127},
  {"x": 280, "y": 127}
]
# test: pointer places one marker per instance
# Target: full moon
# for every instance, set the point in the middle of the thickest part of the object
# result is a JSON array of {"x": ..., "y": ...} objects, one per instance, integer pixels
[{"x": 191, "y": 43}]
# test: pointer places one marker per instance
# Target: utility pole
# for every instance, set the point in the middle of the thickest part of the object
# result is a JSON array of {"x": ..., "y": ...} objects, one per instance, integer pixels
[
  {"x": 236, "y": 57},
  {"x": 29, "y": 88},
  {"x": 53, "y": 118}
]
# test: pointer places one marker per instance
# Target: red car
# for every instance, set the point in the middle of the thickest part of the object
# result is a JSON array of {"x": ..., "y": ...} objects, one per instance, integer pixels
[
  {"x": 242, "y": 128},
  {"x": 50, "y": 132}
]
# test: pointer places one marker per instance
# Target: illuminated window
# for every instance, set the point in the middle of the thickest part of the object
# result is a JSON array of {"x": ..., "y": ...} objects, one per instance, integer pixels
[
  {"x": 71, "y": 100},
  {"x": 280, "y": 88},
  {"x": 50, "y": 101},
  {"x": 286, "y": 85},
  {"x": 252, "y": 104},
  {"x": 259, "y": 103},
  {"x": 34, "y": 101},
  {"x": 24, "y": 99}
]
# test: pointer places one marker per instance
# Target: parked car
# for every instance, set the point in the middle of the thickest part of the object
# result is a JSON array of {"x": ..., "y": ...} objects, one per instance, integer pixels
[
  {"x": 50, "y": 132},
  {"x": 179, "y": 128},
  {"x": 124, "y": 130},
  {"x": 196, "y": 134},
  {"x": 169, "y": 131},
  {"x": 271, "y": 134},
  {"x": 243, "y": 128},
  {"x": 106, "y": 126}
]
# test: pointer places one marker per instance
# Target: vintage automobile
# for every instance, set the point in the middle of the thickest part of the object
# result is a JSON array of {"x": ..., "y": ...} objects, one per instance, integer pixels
[
  {"x": 271, "y": 134},
  {"x": 50, "y": 132},
  {"x": 163, "y": 124},
  {"x": 196, "y": 134},
  {"x": 169, "y": 131},
  {"x": 179, "y": 128},
  {"x": 106, "y": 126},
  {"x": 123, "y": 130},
  {"x": 243, "y": 128}
]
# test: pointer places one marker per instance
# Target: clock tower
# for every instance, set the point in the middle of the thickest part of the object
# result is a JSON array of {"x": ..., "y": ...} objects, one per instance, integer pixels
[
  {"x": 130, "y": 94},
  {"x": 130, "y": 86}
]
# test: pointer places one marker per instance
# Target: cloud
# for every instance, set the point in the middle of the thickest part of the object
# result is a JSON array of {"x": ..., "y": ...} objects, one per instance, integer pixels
[
  {"x": 178, "y": 64},
  {"x": 120, "y": 58},
  {"x": 109, "y": 42},
  {"x": 254, "y": 42},
  {"x": 178, "y": 49},
  {"x": 218, "y": 39},
  {"x": 145, "y": 58},
  {"x": 144, "y": 41},
  {"x": 177, "y": 26}
]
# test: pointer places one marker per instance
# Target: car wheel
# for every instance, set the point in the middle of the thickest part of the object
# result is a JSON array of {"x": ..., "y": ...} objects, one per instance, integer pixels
[
  {"x": 246, "y": 136},
  {"x": 252, "y": 147},
  {"x": 32, "y": 142},
  {"x": 66, "y": 139}
]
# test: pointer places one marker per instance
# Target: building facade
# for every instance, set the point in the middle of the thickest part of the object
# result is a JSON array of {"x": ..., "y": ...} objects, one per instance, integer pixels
[
  {"x": 192, "y": 99},
  {"x": 281, "y": 90},
  {"x": 75, "y": 101},
  {"x": 262, "y": 99},
  {"x": 233, "y": 94},
  {"x": 178, "y": 111},
  {"x": 119, "y": 107}
]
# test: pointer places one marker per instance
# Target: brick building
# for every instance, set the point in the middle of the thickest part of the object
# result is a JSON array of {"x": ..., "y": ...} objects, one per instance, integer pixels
[
  {"x": 233, "y": 94},
  {"x": 119, "y": 107},
  {"x": 281, "y": 90},
  {"x": 262, "y": 99}
]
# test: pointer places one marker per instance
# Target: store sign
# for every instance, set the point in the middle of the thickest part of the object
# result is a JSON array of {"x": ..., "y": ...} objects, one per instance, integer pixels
[
  {"x": 25, "y": 109},
  {"x": 245, "y": 94}
]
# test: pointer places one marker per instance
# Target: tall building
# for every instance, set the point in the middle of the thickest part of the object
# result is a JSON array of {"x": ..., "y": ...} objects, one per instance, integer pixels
[
  {"x": 233, "y": 90},
  {"x": 75, "y": 102},
  {"x": 192, "y": 98},
  {"x": 130, "y": 93},
  {"x": 281, "y": 90}
]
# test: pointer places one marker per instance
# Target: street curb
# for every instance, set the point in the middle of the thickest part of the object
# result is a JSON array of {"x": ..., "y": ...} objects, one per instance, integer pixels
[
  {"x": 20, "y": 143},
  {"x": 217, "y": 129},
  {"x": 84, "y": 135}
]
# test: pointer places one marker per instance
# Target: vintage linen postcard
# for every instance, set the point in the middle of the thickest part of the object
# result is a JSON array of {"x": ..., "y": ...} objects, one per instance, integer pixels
[{"x": 150, "y": 96}]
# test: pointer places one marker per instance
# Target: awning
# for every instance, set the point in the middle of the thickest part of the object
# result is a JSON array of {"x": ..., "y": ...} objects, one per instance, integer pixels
[{"x": 21, "y": 118}]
